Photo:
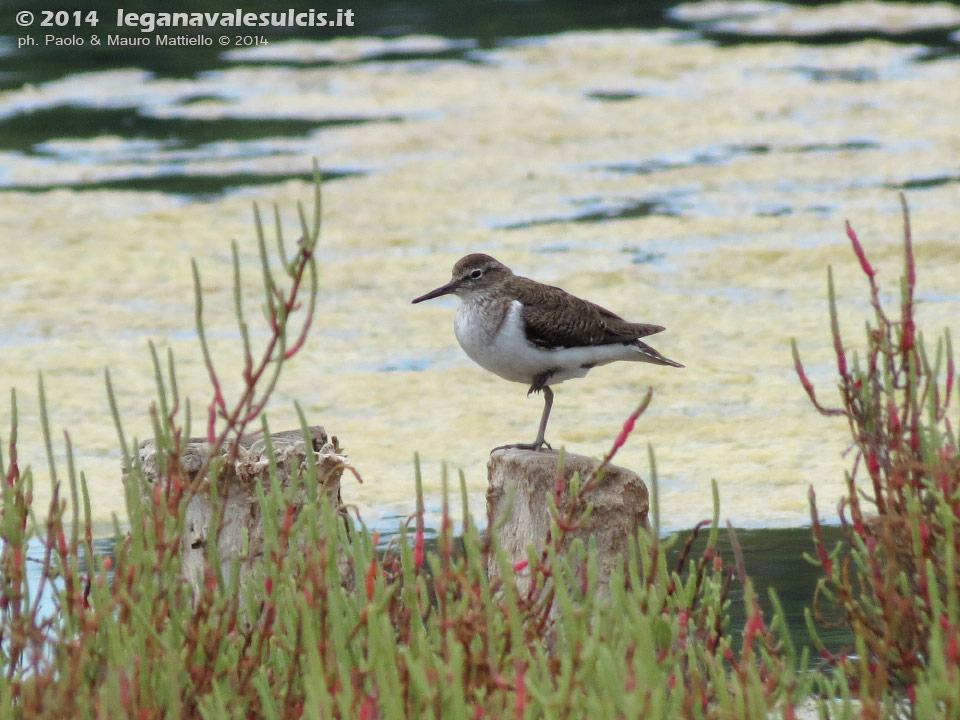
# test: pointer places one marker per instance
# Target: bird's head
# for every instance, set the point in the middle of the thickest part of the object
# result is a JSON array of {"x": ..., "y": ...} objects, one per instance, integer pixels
[{"x": 472, "y": 275}]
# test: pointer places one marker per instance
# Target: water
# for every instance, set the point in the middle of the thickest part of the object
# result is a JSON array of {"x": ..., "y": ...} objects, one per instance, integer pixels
[
  {"x": 43, "y": 596},
  {"x": 681, "y": 167},
  {"x": 774, "y": 561}
]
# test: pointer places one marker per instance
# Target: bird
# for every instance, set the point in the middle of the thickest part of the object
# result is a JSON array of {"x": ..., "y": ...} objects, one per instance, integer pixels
[{"x": 536, "y": 334}]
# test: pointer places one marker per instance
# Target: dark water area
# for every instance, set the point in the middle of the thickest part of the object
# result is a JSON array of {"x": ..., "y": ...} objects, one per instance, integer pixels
[
  {"x": 200, "y": 187},
  {"x": 485, "y": 21},
  {"x": 470, "y": 28},
  {"x": 774, "y": 561},
  {"x": 483, "y": 24},
  {"x": 30, "y": 131}
]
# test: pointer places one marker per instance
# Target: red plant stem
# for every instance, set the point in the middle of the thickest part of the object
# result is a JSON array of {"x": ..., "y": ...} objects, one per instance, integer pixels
[
  {"x": 621, "y": 439},
  {"x": 246, "y": 409},
  {"x": 212, "y": 423},
  {"x": 951, "y": 370},
  {"x": 418, "y": 543},
  {"x": 298, "y": 343},
  {"x": 371, "y": 579},
  {"x": 861, "y": 255},
  {"x": 369, "y": 709},
  {"x": 520, "y": 686},
  {"x": 808, "y": 387},
  {"x": 218, "y": 394},
  {"x": 754, "y": 626},
  {"x": 841, "y": 356},
  {"x": 818, "y": 535}
]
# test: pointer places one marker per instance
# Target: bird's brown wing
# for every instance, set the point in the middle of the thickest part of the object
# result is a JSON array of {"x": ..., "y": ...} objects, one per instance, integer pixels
[{"x": 554, "y": 318}]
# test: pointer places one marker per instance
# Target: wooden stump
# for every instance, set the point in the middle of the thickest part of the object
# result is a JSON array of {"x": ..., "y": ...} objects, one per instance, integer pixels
[
  {"x": 620, "y": 503},
  {"x": 237, "y": 491}
]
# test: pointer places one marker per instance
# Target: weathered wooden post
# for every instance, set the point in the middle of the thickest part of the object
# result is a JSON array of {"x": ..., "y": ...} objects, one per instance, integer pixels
[
  {"x": 620, "y": 503},
  {"x": 237, "y": 489}
]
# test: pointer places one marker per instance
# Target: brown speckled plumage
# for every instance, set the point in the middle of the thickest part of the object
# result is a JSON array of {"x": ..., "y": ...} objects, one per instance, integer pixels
[{"x": 537, "y": 334}]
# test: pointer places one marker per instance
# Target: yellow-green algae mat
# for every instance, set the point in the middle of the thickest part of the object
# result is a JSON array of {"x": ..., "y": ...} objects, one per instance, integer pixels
[{"x": 750, "y": 166}]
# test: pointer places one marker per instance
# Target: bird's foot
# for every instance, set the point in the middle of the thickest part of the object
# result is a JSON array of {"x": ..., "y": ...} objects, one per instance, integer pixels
[
  {"x": 540, "y": 381},
  {"x": 536, "y": 447}
]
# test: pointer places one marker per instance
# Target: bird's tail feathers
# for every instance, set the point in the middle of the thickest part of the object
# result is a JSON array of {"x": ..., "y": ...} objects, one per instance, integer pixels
[
  {"x": 644, "y": 329},
  {"x": 648, "y": 354}
]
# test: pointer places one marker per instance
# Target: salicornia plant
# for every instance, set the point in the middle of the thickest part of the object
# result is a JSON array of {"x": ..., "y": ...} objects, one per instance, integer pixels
[{"x": 895, "y": 580}]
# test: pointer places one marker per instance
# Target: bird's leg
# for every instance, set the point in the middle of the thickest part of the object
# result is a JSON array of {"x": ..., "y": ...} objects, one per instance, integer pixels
[
  {"x": 547, "y": 404},
  {"x": 539, "y": 383}
]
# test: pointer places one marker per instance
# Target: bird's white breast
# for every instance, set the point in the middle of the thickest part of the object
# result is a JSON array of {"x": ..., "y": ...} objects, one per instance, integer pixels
[{"x": 497, "y": 342}]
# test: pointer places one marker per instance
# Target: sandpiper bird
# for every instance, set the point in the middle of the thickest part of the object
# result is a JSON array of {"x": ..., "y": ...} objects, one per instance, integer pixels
[{"x": 537, "y": 334}]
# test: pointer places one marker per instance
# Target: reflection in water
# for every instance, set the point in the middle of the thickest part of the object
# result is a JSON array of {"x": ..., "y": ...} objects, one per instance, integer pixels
[
  {"x": 594, "y": 210},
  {"x": 197, "y": 187}
]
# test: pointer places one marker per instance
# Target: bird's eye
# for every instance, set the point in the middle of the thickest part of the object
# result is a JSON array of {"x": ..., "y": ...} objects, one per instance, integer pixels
[{"x": 476, "y": 274}]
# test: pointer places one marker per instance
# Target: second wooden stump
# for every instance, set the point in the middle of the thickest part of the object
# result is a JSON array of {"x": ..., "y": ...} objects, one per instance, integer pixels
[{"x": 620, "y": 501}]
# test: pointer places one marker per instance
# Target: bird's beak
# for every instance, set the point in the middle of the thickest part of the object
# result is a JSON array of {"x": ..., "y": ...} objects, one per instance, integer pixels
[{"x": 443, "y": 290}]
